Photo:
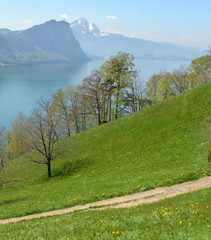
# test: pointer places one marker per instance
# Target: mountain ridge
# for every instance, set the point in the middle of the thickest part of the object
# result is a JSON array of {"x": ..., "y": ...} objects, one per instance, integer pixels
[
  {"x": 80, "y": 41},
  {"x": 51, "y": 41},
  {"x": 104, "y": 44}
]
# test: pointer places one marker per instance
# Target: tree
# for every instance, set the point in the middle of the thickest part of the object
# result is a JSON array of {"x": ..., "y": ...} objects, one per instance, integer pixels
[
  {"x": 208, "y": 121},
  {"x": 135, "y": 98},
  {"x": 161, "y": 86},
  {"x": 85, "y": 111},
  {"x": 95, "y": 94},
  {"x": 17, "y": 145},
  {"x": 165, "y": 86},
  {"x": 3, "y": 154},
  {"x": 118, "y": 73},
  {"x": 180, "y": 81},
  {"x": 152, "y": 87},
  {"x": 43, "y": 135},
  {"x": 201, "y": 69},
  {"x": 2, "y": 148},
  {"x": 73, "y": 102},
  {"x": 61, "y": 106}
]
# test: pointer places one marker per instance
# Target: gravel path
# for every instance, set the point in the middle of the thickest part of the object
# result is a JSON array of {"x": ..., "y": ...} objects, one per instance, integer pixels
[{"x": 131, "y": 200}]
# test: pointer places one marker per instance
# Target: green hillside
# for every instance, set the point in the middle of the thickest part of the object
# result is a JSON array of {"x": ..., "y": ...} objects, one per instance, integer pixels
[{"x": 161, "y": 145}]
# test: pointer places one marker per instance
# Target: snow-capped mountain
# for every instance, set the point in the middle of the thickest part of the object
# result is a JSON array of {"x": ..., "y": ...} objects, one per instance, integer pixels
[
  {"x": 82, "y": 28},
  {"x": 101, "y": 44}
]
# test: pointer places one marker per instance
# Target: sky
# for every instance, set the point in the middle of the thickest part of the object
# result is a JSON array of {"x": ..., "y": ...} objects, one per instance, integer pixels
[{"x": 184, "y": 22}]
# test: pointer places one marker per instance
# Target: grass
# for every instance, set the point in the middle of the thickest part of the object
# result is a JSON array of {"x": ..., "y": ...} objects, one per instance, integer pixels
[
  {"x": 184, "y": 217},
  {"x": 159, "y": 146}
]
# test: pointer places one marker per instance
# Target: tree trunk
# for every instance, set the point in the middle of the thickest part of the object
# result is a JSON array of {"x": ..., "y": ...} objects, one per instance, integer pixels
[
  {"x": 99, "y": 116},
  {"x": 117, "y": 105},
  {"x": 110, "y": 112},
  {"x": 49, "y": 168},
  {"x": 76, "y": 124},
  {"x": 68, "y": 132}
]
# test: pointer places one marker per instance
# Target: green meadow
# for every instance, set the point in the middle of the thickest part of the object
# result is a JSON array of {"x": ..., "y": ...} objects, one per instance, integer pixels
[
  {"x": 187, "y": 216},
  {"x": 161, "y": 145}
]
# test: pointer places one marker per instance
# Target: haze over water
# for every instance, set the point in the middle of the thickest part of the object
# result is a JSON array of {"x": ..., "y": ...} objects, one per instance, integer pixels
[{"x": 22, "y": 86}]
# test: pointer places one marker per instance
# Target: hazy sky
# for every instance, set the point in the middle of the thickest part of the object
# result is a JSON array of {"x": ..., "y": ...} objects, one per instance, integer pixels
[{"x": 186, "y": 22}]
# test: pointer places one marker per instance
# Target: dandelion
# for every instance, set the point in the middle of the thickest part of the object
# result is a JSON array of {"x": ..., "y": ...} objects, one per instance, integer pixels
[
  {"x": 100, "y": 221},
  {"x": 55, "y": 220},
  {"x": 116, "y": 233},
  {"x": 180, "y": 222},
  {"x": 167, "y": 213}
]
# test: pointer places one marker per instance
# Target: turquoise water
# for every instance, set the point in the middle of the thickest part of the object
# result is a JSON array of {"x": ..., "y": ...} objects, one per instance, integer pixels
[{"x": 22, "y": 86}]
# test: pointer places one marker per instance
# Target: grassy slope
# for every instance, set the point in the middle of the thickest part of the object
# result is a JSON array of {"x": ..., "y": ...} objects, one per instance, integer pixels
[
  {"x": 161, "y": 145},
  {"x": 186, "y": 216}
]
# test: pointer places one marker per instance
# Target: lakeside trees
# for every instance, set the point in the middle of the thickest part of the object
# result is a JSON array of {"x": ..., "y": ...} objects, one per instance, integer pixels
[
  {"x": 104, "y": 95},
  {"x": 167, "y": 84},
  {"x": 112, "y": 91}
]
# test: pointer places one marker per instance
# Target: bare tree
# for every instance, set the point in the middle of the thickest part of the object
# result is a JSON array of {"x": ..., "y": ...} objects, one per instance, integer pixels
[
  {"x": 179, "y": 79},
  {"x": 73, "y": 100},
  {"x": 2, "y": 148},
  {"x": 95, "y": 94},
  {"x": 43, "y": 135},
  {"x": 61, "y": 106},
  {"x": 134, "y": 98}
]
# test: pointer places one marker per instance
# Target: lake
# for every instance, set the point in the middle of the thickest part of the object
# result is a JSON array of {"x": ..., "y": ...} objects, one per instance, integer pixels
[{"x": 22, "y": 86}]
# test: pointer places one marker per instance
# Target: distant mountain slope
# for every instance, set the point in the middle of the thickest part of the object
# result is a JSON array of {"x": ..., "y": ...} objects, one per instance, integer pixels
[
  {"x": 49, "y": 42},
  {"x": 105, "y": 44},
  {"x": 4, "y": 30}
]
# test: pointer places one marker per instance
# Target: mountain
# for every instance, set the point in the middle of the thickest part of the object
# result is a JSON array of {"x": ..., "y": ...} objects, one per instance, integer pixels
[
  {"x": 4, "y": 31},
  {"x": 82, "y": 28},
  {"x": 102, "y": 44},
  {"x": 48, "y": 42}
]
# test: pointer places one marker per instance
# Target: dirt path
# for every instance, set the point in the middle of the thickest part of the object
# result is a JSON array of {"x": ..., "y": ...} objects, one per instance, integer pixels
[{"x": 132, "y": 200}]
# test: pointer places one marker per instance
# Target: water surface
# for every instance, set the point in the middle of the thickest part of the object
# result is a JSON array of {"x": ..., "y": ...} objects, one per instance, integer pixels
[{"x": 22, "y": 86}]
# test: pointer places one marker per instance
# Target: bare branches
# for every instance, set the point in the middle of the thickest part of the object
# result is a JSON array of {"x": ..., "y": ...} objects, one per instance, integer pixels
[{"x": 43, "y": 134}]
